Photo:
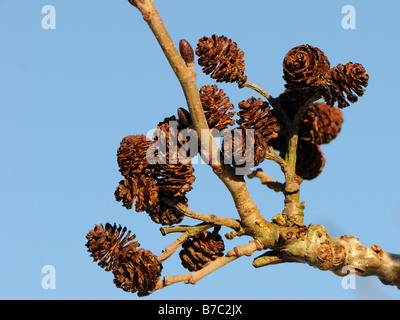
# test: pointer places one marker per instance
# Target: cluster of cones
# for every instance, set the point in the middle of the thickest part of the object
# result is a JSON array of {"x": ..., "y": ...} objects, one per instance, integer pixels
[
  {"x": 157, "y": 186},
  {"x": 308, "y": 74},
  {"x": 134, "y": 270}
]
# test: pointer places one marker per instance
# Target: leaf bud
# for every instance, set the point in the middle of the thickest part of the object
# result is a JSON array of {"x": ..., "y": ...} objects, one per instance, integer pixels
[{"x": 187, "y": 53}]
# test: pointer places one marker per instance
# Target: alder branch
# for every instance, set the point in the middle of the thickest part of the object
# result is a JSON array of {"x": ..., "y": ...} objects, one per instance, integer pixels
[
  {"x": 287, "y": 238},
  {"x": 267, "y": 180},
  {"x": 188, "y": 231},
  {"x": 212, "y": 219},
  {"x": 312, "y": 245},
  {"x": 236, "y": 185},
  {"x": 210, "y": 267}
]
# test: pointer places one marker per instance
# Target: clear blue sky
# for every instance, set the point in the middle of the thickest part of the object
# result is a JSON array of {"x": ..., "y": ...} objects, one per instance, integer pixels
[{"x": 68, "y": 96}]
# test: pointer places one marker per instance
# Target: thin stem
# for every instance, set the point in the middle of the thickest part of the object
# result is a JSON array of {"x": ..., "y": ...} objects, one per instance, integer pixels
[
  {"x": 194, "y": 277},
  {"x": 261, "y": 91},
  {"x": 188, "y": 232},
  {"x": 267, "y": 180},
  {"x": 213, "y": 219},
  {"x": 210, "y": 267}
]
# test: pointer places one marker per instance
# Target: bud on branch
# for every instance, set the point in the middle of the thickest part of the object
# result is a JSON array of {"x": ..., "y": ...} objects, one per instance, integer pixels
[{"x": 187, "y": 53}]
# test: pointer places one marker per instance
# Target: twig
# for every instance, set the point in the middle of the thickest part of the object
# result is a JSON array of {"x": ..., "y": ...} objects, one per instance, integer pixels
[
  {"x": 212, "y": 219},
  {"x": 267, "y": 180},
  {"x": 246, "y": 250},
  {"x": 194, "y": 277},
  {"x": 189, "y": 231},
  {"x": 272, "y": 155},
  {"x": 210, "y": 267},
  {"x": 261, "y": 91}
]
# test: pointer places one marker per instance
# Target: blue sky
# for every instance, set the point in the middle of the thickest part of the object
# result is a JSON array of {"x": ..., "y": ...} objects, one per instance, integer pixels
[{"x": 69, "y": 95}]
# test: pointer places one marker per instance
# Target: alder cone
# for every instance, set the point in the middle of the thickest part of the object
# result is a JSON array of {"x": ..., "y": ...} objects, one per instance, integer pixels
[
  {"x": 167, "y": 140},
  {"x": 138, "y": 271},
  {"x": 221, "y": 58},
  {"x": 165, "y": 214},
  {"x": 244, "y": 147},
  {"x": 201, "y": 249},
  {"x": 174, "y": 180},
  {"x": 310, "y": 160},
  {"x": 256, "y": 114},
  {"x": 131, "y": 155},
  {"x": 146, "y": 183},
  {"x": 106, "y": 244},
  {"x": 216, "y": 106},
  {"x": 321, "y": 123},
  {"x": 139, "y": 188},
  {"x": 349, "y": 80},
  {"x": 305, "y": 68}
]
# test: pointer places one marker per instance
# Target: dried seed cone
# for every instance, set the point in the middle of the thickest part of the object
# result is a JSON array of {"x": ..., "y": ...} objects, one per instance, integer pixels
[
  {"x": 131, "y": 155},
  {"x": 174, "y": 180},
  {"x": 141, "y": 189},
  {"x": 201, "y": 249},
  {"x": 107, "y": 243},
  {"x": 167, "y": 140},
  {"x": 321, "y": 123},
  {"x": 256, "y": 114},
  {"x": 138, "y": 271},
  {"x": 220, "y": 57},
  {"x": 310, "y": 160},
  {"x": 165, "y": 214},
  {"x": 216, "y": 107},
  {"x": 146, "y": 183},
  {"x": 305, "y": 68},
  {"x": 349, "y": 80},
  {"x": 244, "y": 147}
]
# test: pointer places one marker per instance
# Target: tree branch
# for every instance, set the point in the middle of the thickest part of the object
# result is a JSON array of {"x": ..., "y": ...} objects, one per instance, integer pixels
[
  {"x": 212, "y": 219},
  {"x": 210, "y": 267},
  {"x": 189, "y": 231},
  {"x": 267, "y": 180},
  {"x": 236, "y": 185},
  {"x": 313, "y": 245}
]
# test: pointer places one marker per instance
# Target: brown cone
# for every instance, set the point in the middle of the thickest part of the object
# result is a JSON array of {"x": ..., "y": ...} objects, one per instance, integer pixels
[
  {"x": 165, "y": 214},
  {"x": 106, "y": 244},
  {"x": 244, "y": 147},
  {"x": 140, "y": 188},
  {"x": 216, "y": 106},
  {"x": 131, "y": 155},
  {"x": 349, "y": 80},
  {"x": 305, "y": 68},
  {"x": 256, "y": 114},
  {"x": 310, "y": 160},
  {"x": 220, "y": 57},
  {"x": 137, "y": 271},
  {"x": 321, "y": 123},
  {"x": 202, "y": 248}
]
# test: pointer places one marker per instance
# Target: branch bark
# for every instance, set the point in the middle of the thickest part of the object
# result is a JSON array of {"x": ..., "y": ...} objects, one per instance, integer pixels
[{"x": 312, "y": 245}]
